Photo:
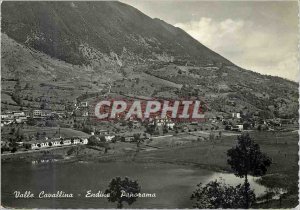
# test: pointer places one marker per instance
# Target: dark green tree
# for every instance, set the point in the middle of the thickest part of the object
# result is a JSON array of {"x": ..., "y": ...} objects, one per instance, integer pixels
[
  {"x": 120, "y": 190},
  {"x": 137, "y": 138},
  {"x": 150, "y": 129},
  {"x": 16, "y": 95},
  {"x": 217, "y": 194},
  {"x": 102, "y": 138},
  {"x": 247, "y": 159}
]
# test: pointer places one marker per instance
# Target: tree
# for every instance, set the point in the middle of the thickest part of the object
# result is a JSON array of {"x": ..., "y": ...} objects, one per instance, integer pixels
[
  {"x": 27, "y": 86},
  {"x": 38, "y": 134},
  {"x": 119, "y": 189},
  {"x": 13, "y": 150},
  {"x": 102, "y": 138},
  {"x": 246, "y": 125},
  {"x": 217, "y": 194},
  {"x": 265, "y": 114},
  {"x": 247, "y": 159},
  {"x": 137, "y": 137},
  {"x": 31, "y": 121},
  {"x": 122, "y": 139},
  {"x": 150, "y": 129},
  {"x": 130, "y": 124},
  {"x": 114, "y": 139},
  {"x": 87, "y": 129},
  {"x": 16, "y": 95},
  {"x": 165, "y": 129},
  {"x": 19, "y": 135}
]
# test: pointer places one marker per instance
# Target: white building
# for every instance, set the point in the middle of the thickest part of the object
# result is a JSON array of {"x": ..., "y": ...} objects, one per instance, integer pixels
[
  {"x": 109, "y": 137},
  {"x": 37, "y": 113},
  {"x": 56, "y": 143},
  {"x": 67, "y": 142},
  {"x": 7, "y": 116},
  {"x": 76, "y": 141},
  {"x": 164, "y": 122},
  {"x": 19, "y": 114},
  {"x": 236, "y": 115},
  {"x": 21, "y": 119},
  {"x": 84, "y": 104},
  {"x": 237, "y": 128},
  {"x": 39, "y": 145},
  {"x": 4, "y": 116},
  {"x": 85, "y": 141}
]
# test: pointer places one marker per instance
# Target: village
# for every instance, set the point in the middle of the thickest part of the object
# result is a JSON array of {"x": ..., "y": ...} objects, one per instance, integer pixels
[{"x": 15, "y": 124}]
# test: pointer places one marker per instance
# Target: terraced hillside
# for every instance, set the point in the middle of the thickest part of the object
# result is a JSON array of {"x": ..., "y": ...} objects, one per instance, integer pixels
[{"x": 63, "y": 51}]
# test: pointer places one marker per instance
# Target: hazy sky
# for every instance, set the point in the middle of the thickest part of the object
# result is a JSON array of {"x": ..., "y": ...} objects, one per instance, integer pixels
[{"x": 256, "y": 35}]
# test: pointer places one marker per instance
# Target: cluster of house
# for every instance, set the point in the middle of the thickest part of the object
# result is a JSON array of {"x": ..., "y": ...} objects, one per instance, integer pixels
[
  {"x": 46, "y": 113},
  {"x": 9, "y": 117},
  {"x": 81, "y": 109},
  {"x": 14, "y": 116},
  {"x": 108, "y": 136},
  {"x": 126, "y": 136},
  {"x": 160, "y": 122},
  {"x": 56, "y": 142},
  {"x": 236, "y": 117}
]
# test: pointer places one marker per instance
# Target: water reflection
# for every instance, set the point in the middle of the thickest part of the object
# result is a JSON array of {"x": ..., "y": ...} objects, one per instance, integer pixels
[{"x": 233, "y": 180}]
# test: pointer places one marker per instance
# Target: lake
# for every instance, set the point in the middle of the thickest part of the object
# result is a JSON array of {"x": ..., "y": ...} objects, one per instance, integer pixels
[{"x": 172, "y": 184}]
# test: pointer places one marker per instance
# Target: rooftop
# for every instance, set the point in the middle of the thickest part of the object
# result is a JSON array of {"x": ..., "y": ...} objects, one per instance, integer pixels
[{"x": 50, "y": 140}]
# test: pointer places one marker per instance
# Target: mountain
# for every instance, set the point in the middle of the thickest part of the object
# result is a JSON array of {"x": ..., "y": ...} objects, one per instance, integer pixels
[
  {"x": 64, "y": 29},
  {"x": 63, "y": 51}
]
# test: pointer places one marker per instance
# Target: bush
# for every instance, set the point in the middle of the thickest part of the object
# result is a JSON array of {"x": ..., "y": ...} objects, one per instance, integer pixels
[
  {"x": 4, "y": 148},
  {"x": 93, "y": 141},
  {"x": 227, "y": 127},
  {"x": 217, "y": 194},
  {"x": 115, "y": 139},
  {"x": 70, "y": 151},
  {"x": 117, "y": 186},
  {"x": 102, "y": 138},
  {"x": 246, "y": 126},
  {"x": 13, "y": 150},
  {"x": 51, "y": 123}
]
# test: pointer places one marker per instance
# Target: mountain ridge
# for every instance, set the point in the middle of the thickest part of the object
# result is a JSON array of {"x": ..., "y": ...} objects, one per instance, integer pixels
[
  {"x": 126, "y": 52},
  {"x": 112, "y": 26}
]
